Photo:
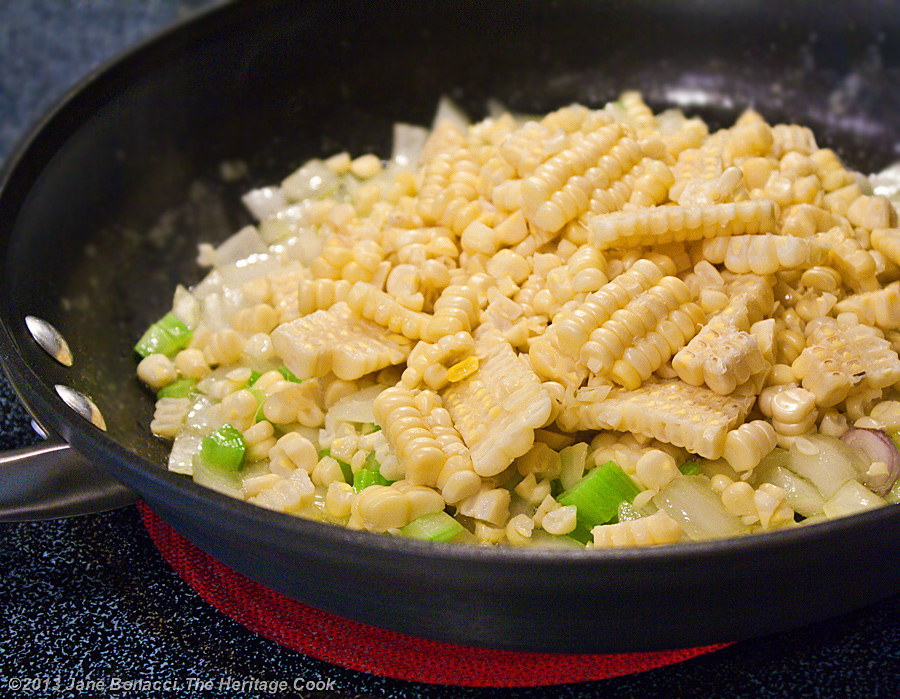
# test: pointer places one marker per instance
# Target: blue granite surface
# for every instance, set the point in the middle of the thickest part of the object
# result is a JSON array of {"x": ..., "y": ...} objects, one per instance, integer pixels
[{"x": 90, "y": 597}]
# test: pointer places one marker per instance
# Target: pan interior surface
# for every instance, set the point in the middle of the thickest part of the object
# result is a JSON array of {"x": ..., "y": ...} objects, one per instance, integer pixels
[{"x": 101, "y": 216}]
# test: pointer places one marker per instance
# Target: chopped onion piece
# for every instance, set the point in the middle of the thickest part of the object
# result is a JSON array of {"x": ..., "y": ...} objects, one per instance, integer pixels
[
  {"x": 698, "y": 509},
  {"x": 186, "y": 307},
  {"x": 826, "y": 462},
  {"x": 314, "y": 180},
  {"x": 449, "y": 111},
  {"x": 878, "y": 447},
  {"x": 798, "y": 492},
  {"x": 304, "y": 247},
  {"x": 216, "y": 481},
  {"x": 852, "y": 497},
  {"x": 243, "y": 244},
  {"x": 265, "y": 201},
  {"x": 408, "y": 143},
  {"x": 357, "y": 407}
]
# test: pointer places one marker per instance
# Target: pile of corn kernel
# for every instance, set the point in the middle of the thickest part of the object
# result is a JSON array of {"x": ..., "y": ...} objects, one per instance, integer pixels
[{"x": 613, "y": 277}]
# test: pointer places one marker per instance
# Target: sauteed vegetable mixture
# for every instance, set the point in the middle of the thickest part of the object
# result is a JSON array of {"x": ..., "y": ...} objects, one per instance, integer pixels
[{"x": 600, "y": 328}]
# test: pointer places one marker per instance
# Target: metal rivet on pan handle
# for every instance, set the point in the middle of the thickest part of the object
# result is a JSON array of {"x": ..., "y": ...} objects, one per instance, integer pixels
[
  {"x": 82, "y": 405},
  {"x": 49, "y": 339}
]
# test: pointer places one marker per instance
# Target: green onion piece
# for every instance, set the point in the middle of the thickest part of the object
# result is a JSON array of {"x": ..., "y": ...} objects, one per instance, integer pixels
[
  {"x": 365, "y": 477},
  {"x": 223, "y": 450},
  {"x": 436, "y": 526},
  {"x": 288, "y": 374},
  {"x": 369, "y": 428},
  {"x": 345, "y": 467},
  {"x": 598, "y": 494},
  {"x": 254, "y": 377},
  {"x": 167, "y": 336},
  {"x": 260, "y": 401},
  {"x": 177, "y": 389},
  {"x": 690, "y": 468}
]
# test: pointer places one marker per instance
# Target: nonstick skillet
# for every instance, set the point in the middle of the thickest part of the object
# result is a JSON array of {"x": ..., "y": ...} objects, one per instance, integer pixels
[{"x": 102, "y": 206}]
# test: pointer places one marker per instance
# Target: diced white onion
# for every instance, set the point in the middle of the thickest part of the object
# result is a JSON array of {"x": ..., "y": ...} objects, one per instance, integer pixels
[
  {"x": 241, "y": 245},
  {"x": 850, "y": 498},
  {"x": 265, "y": 201},
  {"x": 700, "y": 512},
  {"x": 314, "y": 180},
  {"x": 408, "y": 143},
  {"x": 799, "y": 493},
  {"x": 830, "y": 466},
  {"x": 447, "y": 110},
  {"x": 357, "y": 407}
]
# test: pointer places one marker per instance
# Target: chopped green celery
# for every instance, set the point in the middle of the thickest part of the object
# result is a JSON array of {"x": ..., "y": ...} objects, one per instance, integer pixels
[
  {"x": 365, "y": 477},
  {"x": 436, "y": 526},
  {"x": 288, "y": 374},
  {"x": 597, "y": 496},
  {"x": 345, "y": 467},
  {"x": 369, "y": 474},
  {"x": 167, "y": 336},
  {"x": 689, "y": 468},
  {"x": 223, "y": 449},
  {"x": 177, "y": 389},
  {"x": 254, "y": 377},
  {"x": 369, "y": 428},
  {"x": 581, "y": 534}
]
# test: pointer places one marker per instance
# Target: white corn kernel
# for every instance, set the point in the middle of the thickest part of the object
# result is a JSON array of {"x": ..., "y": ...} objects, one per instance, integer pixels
[
  {"x": 560, "y": 521},
  {"x": 157, "y": 371},
  {"x": 338, "y": 499}
]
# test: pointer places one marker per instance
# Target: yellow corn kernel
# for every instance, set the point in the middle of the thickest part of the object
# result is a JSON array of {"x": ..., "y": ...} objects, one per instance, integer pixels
[
  {"x": 168, "y": 416},
  {"x": 840, "y": 357},
  {"x": 791, "y": 137},
  {"x": 463, "y": 369},
  {"x": 872, "y": 212},
  {"x": 555, "y": 354},
  {"x": 659, "y": 528},
  {"x": 559, "y": 190},
  {"x": 497, "y": 408},
  {"x": 666, "y": 224},
  {"x": 887, "y": 242},
  {"x": 671, "y": 411},
  {"x": 335, "y": 340},
  {"x": 157, "y": 371},
  {"x": 881, "y": 308},
  {"x": 746, "y": 446}
]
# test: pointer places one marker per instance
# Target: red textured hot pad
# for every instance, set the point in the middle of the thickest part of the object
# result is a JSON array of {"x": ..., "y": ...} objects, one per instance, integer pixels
[{"x": 387, "y": 653}]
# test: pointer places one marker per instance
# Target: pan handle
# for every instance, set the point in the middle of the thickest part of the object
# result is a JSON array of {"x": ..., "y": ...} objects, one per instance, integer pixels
[{"x": 51, "y": 480}]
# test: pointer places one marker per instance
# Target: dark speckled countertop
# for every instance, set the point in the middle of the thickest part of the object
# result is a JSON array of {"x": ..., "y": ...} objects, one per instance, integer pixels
[{"x": 90, "y": 597}]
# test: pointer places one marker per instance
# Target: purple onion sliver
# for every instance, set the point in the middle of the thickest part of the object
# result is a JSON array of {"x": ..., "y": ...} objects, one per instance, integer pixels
[{"x": 878, "y": 446}]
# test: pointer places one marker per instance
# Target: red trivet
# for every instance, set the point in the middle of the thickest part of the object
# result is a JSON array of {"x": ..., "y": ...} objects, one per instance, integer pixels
[{"x": 367, "y": 649}]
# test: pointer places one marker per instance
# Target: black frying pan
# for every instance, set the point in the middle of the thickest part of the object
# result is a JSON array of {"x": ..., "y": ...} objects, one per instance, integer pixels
[{"x": 102, "y": 208}]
